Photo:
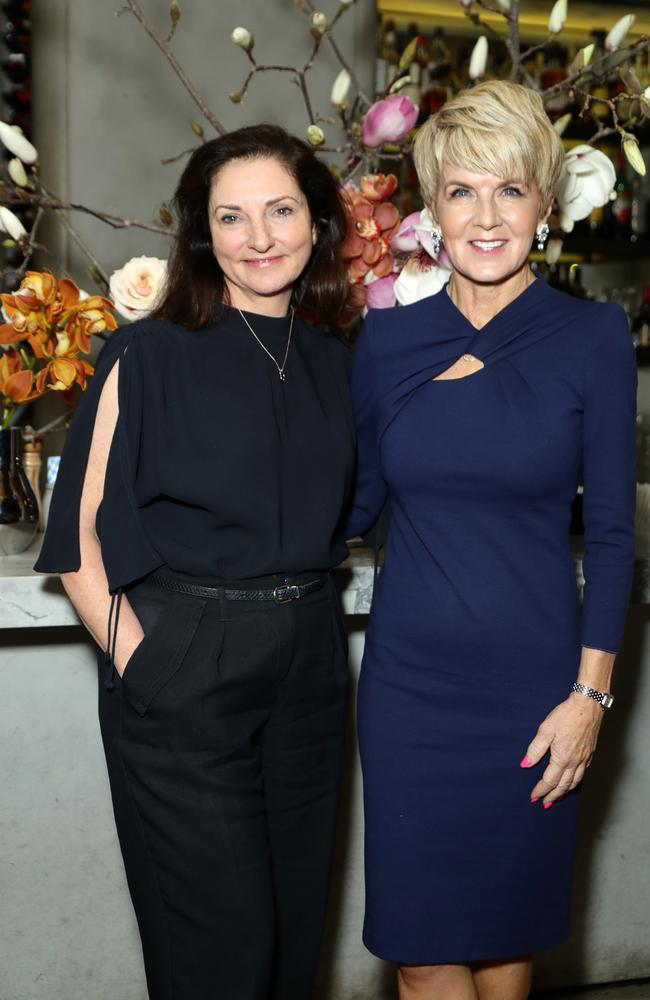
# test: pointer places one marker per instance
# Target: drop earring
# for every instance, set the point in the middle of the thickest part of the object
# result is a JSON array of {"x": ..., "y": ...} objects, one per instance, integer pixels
[
  {"x": 436, "y": 241},
  {"x": 542, "y": 235}
]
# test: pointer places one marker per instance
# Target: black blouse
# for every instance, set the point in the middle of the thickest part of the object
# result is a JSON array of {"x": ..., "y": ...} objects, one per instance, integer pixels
[{"x": 217, "y": 467}]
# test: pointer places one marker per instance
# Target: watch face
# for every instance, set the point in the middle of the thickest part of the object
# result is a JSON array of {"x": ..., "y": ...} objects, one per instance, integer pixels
[{"x": 608, "y": 701}]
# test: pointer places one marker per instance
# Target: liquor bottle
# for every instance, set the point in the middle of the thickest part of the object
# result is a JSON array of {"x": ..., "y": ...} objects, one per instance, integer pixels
[
  {"x": 599, "y": 61},
  {"x": 554, "y": 72},
  {"x": 437, "y": 84},
  {"x": 16, "y": 36},
  {"x": 16, "y": 8},
  {"x": 15, "y": 67},
  {"x": 622, "y": 204},
  {"x": 18, "y": 98}
]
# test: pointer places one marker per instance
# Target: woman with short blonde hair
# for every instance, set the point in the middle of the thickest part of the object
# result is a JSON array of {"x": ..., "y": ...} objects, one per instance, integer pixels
[{"x": 479, "y": 410}]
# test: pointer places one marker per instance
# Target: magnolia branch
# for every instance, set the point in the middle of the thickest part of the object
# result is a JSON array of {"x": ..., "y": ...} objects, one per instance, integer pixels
[
  {"x": 300, "y": 77},
  {"x": 599, "y": 69},
  {"x": 133, "y": 7},
  {"x": 336, "y": 50}
]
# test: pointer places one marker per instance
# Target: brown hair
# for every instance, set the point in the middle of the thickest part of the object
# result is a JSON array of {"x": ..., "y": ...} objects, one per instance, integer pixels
[{"x": 195, "y": 285}]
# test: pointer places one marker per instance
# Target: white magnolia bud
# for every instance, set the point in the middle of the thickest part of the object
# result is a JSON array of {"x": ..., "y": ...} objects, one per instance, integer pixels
[
  {"x": 553, "y": 250},
  {"x": 633, "y": 154},
  {"x": 318, "y": 23},
  {"x": 478, "y": 59},
  {"x": 619, "y": 31},
  {"x": 13, "y": 139},
  {"x": 17, "y": 172},
  {"x": 587, "y": 53},
  {"x": 581, "y": 59},
  {"x": 340, "y": 88},
  {"x": 315, "y": 135},
  {"x": 558, "y": 17},
  {"x": 566, "y": 223},
  {"x": 561, "y": 124},
  {"x": 11, "y": 224},
  {"x": 243, "y": 38}
]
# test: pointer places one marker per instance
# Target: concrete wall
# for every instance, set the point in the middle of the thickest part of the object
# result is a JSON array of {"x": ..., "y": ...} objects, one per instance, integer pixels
[{"x": 108, "y": 107}]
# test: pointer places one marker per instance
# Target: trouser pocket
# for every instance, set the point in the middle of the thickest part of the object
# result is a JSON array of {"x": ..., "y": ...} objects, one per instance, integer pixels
[{"x": 160, "y": 654}]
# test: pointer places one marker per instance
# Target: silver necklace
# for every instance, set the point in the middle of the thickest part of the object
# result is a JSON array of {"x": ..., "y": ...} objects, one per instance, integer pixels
[{"x": 281, "y": 367}]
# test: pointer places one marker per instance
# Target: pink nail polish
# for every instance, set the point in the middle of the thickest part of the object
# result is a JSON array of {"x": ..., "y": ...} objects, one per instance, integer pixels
[
  {"x": 525, "y": 762},
  {"x": 547, "y": 805},
  {"x": 535, "y": 799}
]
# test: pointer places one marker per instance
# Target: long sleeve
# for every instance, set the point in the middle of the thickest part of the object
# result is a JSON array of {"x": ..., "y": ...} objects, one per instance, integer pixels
[
  {"x": 370, "y": 491},
  {"x": 609, "y": 477}
]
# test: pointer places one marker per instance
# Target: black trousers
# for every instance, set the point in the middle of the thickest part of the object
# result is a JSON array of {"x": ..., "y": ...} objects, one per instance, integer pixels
[{"x": 224, "y": 744}]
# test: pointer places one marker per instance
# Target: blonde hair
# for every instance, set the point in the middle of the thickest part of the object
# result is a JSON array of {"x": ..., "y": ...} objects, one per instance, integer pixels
[{"x": 498, "y": 128}]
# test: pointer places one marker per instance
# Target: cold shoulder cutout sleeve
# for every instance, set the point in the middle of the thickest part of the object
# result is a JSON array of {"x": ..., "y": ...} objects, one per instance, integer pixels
[
  {"x": 609, "y": 477},
  {"x": 126, "y": 554},
  {"x": 371, "y": 490}
]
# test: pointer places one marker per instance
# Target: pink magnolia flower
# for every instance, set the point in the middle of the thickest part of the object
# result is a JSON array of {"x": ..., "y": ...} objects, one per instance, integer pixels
[
  {"x": 380, "y": 292},
  {"x": 388, "y": 120}
]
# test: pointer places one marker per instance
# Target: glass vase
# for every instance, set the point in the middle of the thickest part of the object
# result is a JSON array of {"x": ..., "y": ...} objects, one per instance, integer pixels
[{"x": 18, "y": 507}]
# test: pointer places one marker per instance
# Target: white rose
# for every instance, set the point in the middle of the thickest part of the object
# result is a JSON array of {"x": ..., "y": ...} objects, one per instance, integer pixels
[
  {"x": 586, "y": 182},
  {"x": 136, "y": 287}
]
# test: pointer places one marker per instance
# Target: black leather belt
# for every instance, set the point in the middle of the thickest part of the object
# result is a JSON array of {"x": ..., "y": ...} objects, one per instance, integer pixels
[{"x": 282, "y": 594}]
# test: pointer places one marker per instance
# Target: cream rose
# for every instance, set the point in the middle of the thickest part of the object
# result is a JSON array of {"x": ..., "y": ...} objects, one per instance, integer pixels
[{"x": 136, "y": 287}]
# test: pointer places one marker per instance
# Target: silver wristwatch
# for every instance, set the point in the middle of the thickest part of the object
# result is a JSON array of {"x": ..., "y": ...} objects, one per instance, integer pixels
[{"x": 604, "y": 698}]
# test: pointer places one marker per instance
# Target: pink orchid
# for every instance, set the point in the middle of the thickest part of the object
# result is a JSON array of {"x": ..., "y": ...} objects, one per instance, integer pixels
[
  {"x": 380, "y": 294},
  {"x": 420, "y": 277},
  {"x": 389, "y": 120},
  {"x": 415, "y": 232}
]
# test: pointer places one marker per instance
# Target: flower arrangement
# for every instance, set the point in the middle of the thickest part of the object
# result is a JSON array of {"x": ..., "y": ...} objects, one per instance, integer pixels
[
  {"x": 388, "y": 259},
  {"x": 48, "y": 327}
]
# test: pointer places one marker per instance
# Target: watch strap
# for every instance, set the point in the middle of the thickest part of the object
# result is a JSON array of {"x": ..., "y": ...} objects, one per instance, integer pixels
[{"x": 604, "y": 698}]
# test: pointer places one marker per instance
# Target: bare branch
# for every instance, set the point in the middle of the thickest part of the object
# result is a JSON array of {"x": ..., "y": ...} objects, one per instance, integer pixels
[
  {"x": 495, "y": 10},
  {"x": 600, "y": 68},
  {"x": 133, "y": 6},
  {"x": 336, "y": 50},
  {"x": 478, "y": 23}
]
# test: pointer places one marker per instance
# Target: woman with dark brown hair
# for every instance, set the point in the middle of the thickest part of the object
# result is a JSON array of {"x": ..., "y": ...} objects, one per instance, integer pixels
[{"x": 198, "y": 513}]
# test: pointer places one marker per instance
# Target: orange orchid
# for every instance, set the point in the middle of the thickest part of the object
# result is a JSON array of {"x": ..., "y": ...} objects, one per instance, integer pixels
[
  {"x": 371, "y": 224},
  {"x": 54, "y": 323},
  {"x": 89, "y": 316},
  {"x": 62, "y": 373},
  {"x": 16, "y": 382}
]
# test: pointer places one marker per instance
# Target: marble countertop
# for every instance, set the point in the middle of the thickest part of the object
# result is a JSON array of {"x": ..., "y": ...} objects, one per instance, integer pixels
[{"x": 34, "y": 600}]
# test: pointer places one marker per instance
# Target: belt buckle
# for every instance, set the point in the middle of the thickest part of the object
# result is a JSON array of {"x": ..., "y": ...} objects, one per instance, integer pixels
[{"x": 286, "y": 593}]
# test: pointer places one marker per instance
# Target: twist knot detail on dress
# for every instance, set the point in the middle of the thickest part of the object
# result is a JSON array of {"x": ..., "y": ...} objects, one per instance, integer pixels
[{"x": 476, "y": 629}]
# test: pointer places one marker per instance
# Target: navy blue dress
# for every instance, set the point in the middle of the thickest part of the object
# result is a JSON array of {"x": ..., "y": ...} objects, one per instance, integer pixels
[{"x": 476, "y": 628}]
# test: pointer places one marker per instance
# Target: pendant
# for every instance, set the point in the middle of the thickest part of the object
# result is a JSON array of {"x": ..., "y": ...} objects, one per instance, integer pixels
[{"x": 282, "y": 377}]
